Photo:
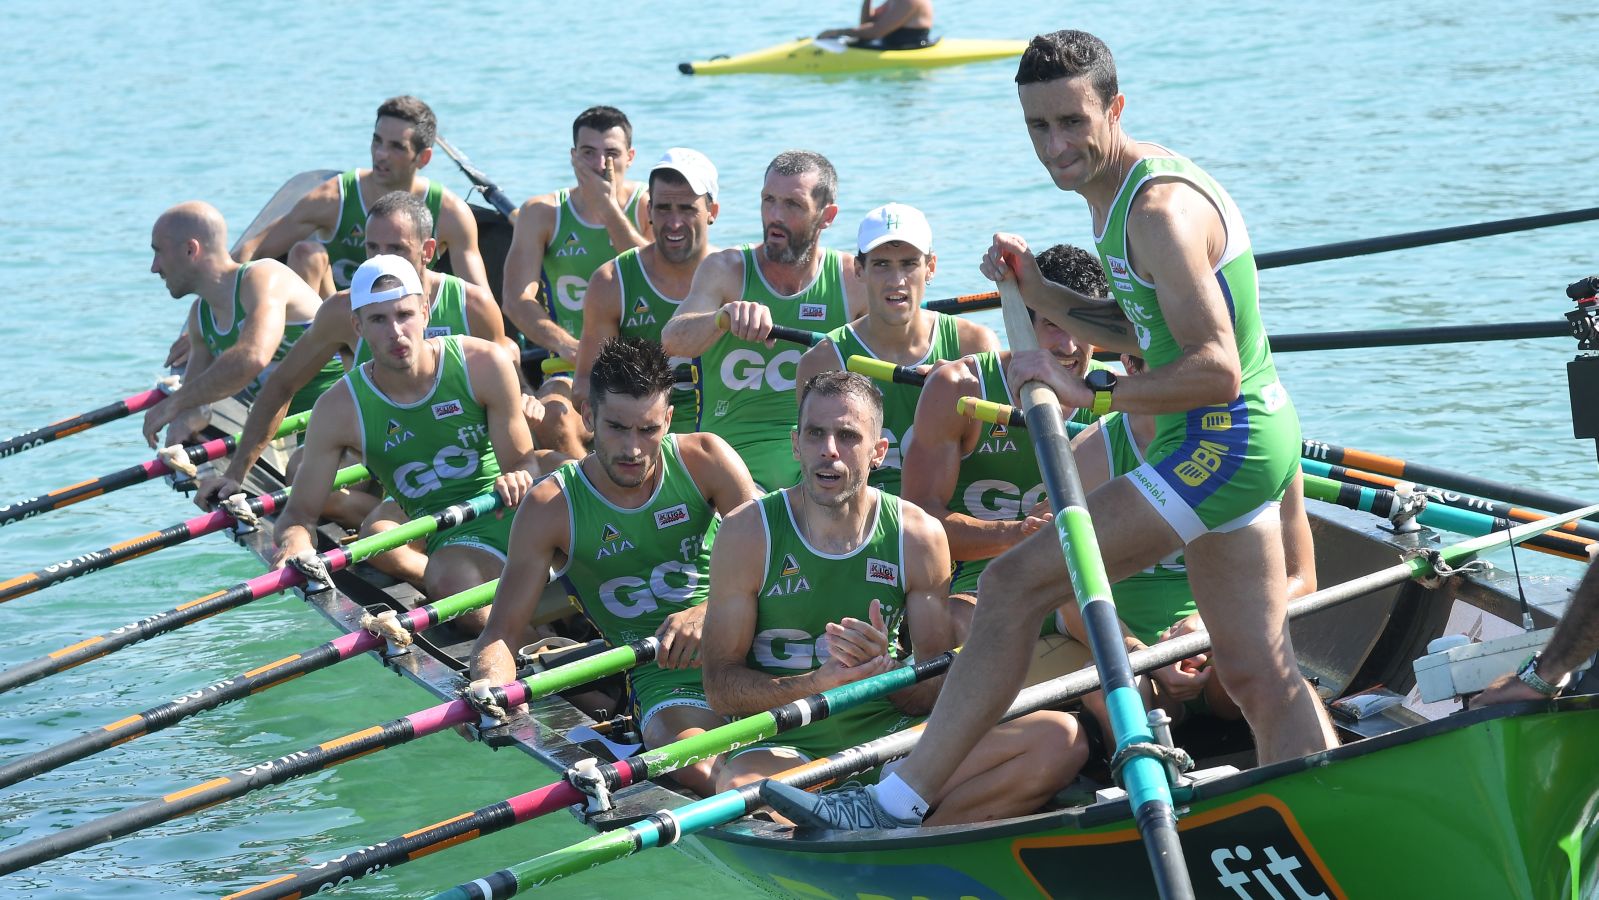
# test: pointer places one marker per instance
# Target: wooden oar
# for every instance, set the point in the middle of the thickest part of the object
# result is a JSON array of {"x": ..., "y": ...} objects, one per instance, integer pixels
[
  {"x": 491, "y": 191},
  {"x": 248, "y": 684},
  {"x": 261, "y": 586},
  {"x": 145, "y": 544},
  {"x": 1440, "y": 478},
  {"x": 155, "y": 468},
  {"x": 55, "y": 431},
  {"x": 666, "y": 827},
  {"x": 561, "y": 794},
  {"x": 1144, "y": 776}
]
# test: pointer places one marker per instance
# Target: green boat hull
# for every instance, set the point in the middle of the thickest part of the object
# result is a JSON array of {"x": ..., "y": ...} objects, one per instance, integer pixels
[{"x": 1482, "y": 804}]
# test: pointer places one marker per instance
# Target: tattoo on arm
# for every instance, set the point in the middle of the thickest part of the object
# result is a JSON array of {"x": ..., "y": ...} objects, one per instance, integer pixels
[{"x": 1107, "y": 318}]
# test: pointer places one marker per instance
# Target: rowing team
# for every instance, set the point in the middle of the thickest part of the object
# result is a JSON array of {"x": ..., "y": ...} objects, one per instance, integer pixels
[{"x": 894, "y": 524}]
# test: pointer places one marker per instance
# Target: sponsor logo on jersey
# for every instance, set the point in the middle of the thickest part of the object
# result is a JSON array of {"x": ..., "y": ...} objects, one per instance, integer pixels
[
  {"x": 434, "y": 331},
  {"x": 1118, "y": 267},
  {"x": 675, "y": 515},
  {"x": 447, "y": 408},
  {"x": 1125, "y": 287},
  {"x": 357, "y": 236},
  {"x": 572, "y": 246},
  {"x": 612, "y": 542},
  {"x": 882, "y": 572},
  {"x": 790, "y": 566},
  {"x": 999, "y": 430},
  {"x": 813, "y": 312},
  {"x": 610, "y": 534},
  {"x": 396, "y": 435},
  {"x": 642, "y": 307},
  {"x": 721, "y": 408}
]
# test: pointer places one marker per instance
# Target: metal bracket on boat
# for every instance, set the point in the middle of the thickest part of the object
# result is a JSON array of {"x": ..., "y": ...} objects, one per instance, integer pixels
[
  {"x": 385, "y": 623},
  {"x": 1442, "y": 570},
  {"x": 1410, "y": 504},
  {"x": 1173, "y": 758},
  {"x": 245, "y": 520},
  {"x": 317, "y": 577},
  {"x": 587, "y": 776},
  {"x": 544, "y": 654}
]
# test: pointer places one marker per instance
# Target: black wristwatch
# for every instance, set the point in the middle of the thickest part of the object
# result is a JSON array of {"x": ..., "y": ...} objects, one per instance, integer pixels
[{"x": 1103, "y": 383}]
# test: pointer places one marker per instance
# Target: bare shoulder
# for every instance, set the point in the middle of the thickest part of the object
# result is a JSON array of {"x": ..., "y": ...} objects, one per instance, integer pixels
[
  {"x": 1170, "y": 202},
  {"x": 923, "y": 533},
  {"x": 974, "y": 337},
  {"x": 704, "y": 453},
  {"x": 477, "y": 294},
  {"x": 451, "y": 205},
  {"x": 743, "y": 532},
  {"x": 334, "y": 414},
  {"x": 479, "y": 352},
  {"x": 823, "y": 357}
]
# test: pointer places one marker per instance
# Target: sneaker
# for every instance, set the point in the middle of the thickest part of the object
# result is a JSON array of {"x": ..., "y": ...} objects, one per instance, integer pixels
[{"x": 846, "y": 809}]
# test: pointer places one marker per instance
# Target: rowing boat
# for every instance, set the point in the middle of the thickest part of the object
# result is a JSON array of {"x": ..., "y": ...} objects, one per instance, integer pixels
[{"x": 807, "y": 56}]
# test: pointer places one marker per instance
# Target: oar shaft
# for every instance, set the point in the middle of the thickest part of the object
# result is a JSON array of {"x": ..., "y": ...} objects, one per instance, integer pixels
[
  {"x": 55, "y": 431},
  {"x": 491, "y": 192},
  {"x": 1367, "y": 246},
  {"x": 1440, "y": 478}
]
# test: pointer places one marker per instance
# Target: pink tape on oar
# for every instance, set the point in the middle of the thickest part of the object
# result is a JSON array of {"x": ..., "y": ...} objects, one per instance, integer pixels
[
  {"x": 212, "y": 449},
  {"x": 143, "y": 401}
]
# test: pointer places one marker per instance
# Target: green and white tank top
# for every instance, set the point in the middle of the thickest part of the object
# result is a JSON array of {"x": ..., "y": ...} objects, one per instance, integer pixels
[
  {"x": 746, "y": 389},
  {"x": 347, "y": 247},
  {"x": 999, "y": 480},
  {"x": 431, "y": 453},
  {"x": 631, "y": 568},
  {"x": 576, "y": 251},
  {"x": 644, "y": 313},
  {"x": 446, "y": 315},
  {"x": 1155, "y": 599},
  {"x": 899, "y": 400},
  {"x": 218, "y": 340}
]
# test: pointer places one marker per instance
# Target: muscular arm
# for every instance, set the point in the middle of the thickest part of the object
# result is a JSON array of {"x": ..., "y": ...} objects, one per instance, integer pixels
[
  {"x": 329, "y": 434},
  {"x": 524, "y": 263},
  {"x": 259, "y": 337},
  {"x": 718, "y": 470},
  {"x": 316, "y": 211},
  {"x": 539, "y": 534},
  {"x": 602, "y": 320},
  {"x": 483, "y": 317},
  {"x": 693, "y": 329},
  {"x": 1299, "y": 551},
  {"x": 925, "y": 566},
  {"x": 974, "y": 338},
  {"x": 458, "y": 233},
  {"x": 494, "y": 384},
  {"x": 1094, "y": 320}
]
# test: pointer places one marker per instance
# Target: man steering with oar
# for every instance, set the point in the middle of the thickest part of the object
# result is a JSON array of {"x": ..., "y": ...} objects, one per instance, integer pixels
[
  {"x": 629, "y": 526},
  {"x": 431, "y": 418},
  {"x": 1227, "y": 445}
]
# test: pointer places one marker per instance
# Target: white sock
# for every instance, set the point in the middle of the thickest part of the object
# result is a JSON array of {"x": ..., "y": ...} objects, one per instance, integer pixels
[{"x": 899, "y": 799}]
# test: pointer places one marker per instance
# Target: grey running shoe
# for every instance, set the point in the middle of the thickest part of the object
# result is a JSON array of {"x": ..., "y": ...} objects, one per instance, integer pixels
[{"x": 846, "y": 809}]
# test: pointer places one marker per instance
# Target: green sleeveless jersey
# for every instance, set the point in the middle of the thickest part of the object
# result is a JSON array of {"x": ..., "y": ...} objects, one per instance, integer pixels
[
  {"x": 218, "y": 340},
  {"x": 446, "y": 315},
  {"x": 899, "y": 400},
  {"x": 644, "y": 313},
  {"x": 747, "y": 390},
  {"x": 576, "y": 251},
  {"x": 347, "y": 247},
  {"x": 803, "y": 589},
  {"x": 431, "y": 453},
  {"x": 1155, "y": 599}
]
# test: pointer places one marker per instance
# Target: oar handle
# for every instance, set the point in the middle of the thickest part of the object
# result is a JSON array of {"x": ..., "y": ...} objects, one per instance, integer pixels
[
  {"x": 780, "y": 332},
  {"x": 989, "y": 411},
  {"x": 883, "y": 370},
  {"x": 964, "y": 303}
]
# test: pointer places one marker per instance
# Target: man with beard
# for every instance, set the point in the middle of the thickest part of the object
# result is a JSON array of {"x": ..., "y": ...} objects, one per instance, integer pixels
[
  {"x": 402, "y": 144},
  {"x": 810, "y": 586},
  {"x": 628, "y": 527},
  {"x": 895, "y": 260},
  {"x": 745, "y": 377},
  {"x": 248, "y": 318},
  {"x": 636, "y": 293}
]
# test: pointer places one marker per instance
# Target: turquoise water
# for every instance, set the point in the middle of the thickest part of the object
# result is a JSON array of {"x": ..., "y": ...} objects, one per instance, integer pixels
[{"x": 1324, "y": 125}]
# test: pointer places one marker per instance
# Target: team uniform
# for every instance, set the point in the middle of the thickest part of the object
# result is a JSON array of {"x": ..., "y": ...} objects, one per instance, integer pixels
[
  {"x": 747, "y": 389},
  {"x": 999, "y": 480},
  {"x": 446, "y": 315},
  {"x": 802, "y": 590},
  {"x": 644, "y": 313},
  {"x": 435, "y": 452},
  {"x": 347, "y": 247},
  {"x": 1151, "y": 601},
  {"x": 631, "y": 568},
  {"x": 1221, "y": 467},
  {"x": 576, "y": 251},
  {"x": 899, "y": 400},
  {"x": 218, "y": 340}
]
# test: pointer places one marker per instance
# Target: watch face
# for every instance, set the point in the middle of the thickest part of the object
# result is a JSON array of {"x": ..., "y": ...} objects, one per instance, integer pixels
[{"x": 1100, "y": 379}]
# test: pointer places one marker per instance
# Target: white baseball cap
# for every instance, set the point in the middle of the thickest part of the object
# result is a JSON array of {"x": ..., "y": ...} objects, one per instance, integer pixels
[
  {"x": 895, "y": 222},
  {"x": 361, "y": 293},
  {"x": 694, "y": 166}
]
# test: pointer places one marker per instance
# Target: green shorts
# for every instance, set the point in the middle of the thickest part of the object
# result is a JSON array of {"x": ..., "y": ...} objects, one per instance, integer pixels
[
  {"x": 1222, "y": 467},
  {"x": 490, "y": 533},
  {"x": 651, "y": 689},
  {"x": 771, "y": 462}
]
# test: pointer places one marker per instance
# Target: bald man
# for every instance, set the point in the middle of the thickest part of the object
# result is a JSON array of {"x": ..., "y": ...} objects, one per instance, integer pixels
[{"x": 247, "y": 317}]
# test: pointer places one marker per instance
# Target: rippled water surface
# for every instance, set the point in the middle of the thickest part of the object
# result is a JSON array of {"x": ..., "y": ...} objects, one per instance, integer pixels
[{"x": 1325, "y": 125}]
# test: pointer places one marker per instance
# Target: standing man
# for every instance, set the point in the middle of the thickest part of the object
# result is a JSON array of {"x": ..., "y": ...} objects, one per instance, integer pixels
[
  {"x": 788, "y": 279},
  {"x": 402, "y": 144},
  {"x": 628, "y": 526},
  {"x": 430, "y": 417},
  {"x": 247, "y": 318},
  {"x": 636, "y": 293},
  {"x": 895, "y": 261},
  {"x": 1183, "y": 277},
  {"x": 809, "y": 588}
]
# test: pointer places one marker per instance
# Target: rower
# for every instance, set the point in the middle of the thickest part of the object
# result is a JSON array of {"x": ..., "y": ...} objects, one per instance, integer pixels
[
  {"x": 629, "y": 526},
  {"x": 1573, "y": 643},
  {"x": 788, "y": 279},
  {"x": 1179, "y": 261},
  {"x": 810, "y": 586},
  {"x": 980, "y": 479},
  {"x": 430, "y": 417},
  {"x": 398, "y": 224},
  {"x": 893, "y": 25},
  {"x": 402, "y": 145},
  {"x": 560, "y": 239},
  {"x": 636, "y": 293},
  {"x": 248, "y": 316},
  {"x": 895, "y": 261}
]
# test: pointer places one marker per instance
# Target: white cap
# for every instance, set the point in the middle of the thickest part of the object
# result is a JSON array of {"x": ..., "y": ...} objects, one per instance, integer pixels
[
  {"x": 694, "y": 166},
  {"x": 361, "y": 293},
  {"x": 895, "y": 222}
]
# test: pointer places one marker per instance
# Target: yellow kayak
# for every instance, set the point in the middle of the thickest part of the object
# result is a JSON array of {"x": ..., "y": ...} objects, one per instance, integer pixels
[{"x": 810, "y": 57}]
